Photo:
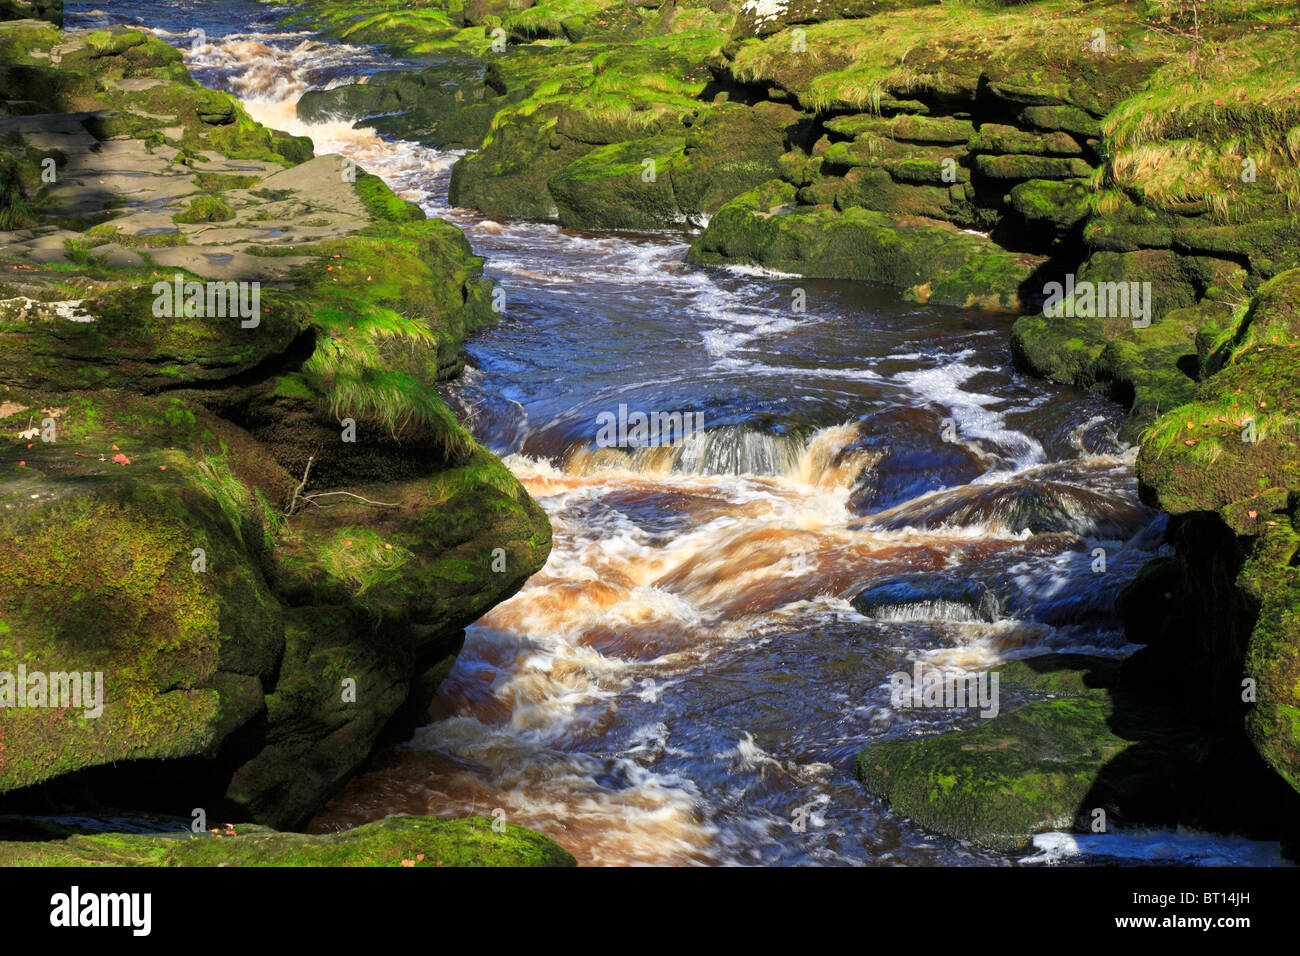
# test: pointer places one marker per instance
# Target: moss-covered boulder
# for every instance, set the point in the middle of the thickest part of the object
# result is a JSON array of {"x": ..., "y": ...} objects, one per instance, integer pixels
[
  {"x": 589, "y": 95},
  {"x": 1061, "y": 205},
  {"x": 131, "y": 570},
  {"x": 1053, "y": 764},
  {"x": 51, "y": 10},
  {"x": 229, "y": 490},
  {"x": 934, "y": 261},
  {"x": 448, "y": 105},
  {"x": 394, "y": 841},
  {"x": 126, "y": 335}
]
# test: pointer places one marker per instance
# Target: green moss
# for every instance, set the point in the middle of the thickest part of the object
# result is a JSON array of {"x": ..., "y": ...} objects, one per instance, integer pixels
[
  {"x": 99, "y": 577},
  {"x": 937, "y": 262},
  {"x": 150, "y": 541},
  {"x": 382, "y": 203},
  {"x": 205, "y": 208},
  {"x": 420, "y": 841},
  {"x": 1047, "y": 766}
]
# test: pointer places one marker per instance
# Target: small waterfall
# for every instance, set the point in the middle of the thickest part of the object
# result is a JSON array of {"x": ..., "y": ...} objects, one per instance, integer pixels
[{"x": 821, "y": 460}]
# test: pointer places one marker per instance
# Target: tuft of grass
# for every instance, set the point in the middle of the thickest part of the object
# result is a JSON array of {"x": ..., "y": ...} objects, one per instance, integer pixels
[
  {"x": 350, "y": 366},
  {"x": 1190, "y": 134},
  {"x": 213, "y": 476},
  {"x": 357, "y": 557},
  {"x": 205, "y": 208}
]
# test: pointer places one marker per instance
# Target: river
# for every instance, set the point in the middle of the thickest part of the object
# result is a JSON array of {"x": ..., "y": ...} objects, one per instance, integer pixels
[{"x": 686, "y": 682}]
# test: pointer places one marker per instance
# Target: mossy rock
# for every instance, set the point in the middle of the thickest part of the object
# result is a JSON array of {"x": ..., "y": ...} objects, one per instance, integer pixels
[
  {"x": 1017, "y": 166},
  {"x": 1200, "y": 456},
  {"x": 934, "y": 261},
  {"x": 997, "y": 139},
  {"x": 909, "y": 127},
  {"x": 448, "y": 105},
  {"x": 381, "y": 597},
  {"x": 160, "y": 539},
  {"x": 393, "y": 841},
  {"x": 1050, "y": 765},
  {"x": 205, "y": 208},
  {"x": 1060, "y": 675},
  {"x": 731, "y": 149},
  {"x": 577, "y": 98},
  {"x": 1068, "y": 119},
  {"x": 1273, "y": 318},
  {"x": 1063, "y": 349},
  {"x": 624, "y": 186},
  {"x": 51, "y": 10},
  {"x": 1271, "y": 579},
  {"x": 675, "y": 178},
  {"x": 1062, "y": 205},
  {"x": 884, "y": 191},
  {"x": 129, "y": 335},
  {"x": 100, "y": 576}
]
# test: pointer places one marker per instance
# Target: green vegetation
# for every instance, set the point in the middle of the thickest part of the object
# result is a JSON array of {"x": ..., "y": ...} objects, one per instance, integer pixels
[
  {"x": 199, "y": 532},
  {"x": 395, "y": 841}
]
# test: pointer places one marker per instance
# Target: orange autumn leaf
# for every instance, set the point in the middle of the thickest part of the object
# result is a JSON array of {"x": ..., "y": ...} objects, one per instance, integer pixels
[{"x": 121, "y": 459}]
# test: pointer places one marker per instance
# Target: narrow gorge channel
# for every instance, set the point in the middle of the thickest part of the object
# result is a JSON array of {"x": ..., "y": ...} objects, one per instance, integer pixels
[{"x": 689, "y": 678}]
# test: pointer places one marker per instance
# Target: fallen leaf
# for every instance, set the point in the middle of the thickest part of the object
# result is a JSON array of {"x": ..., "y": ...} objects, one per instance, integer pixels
[
  {"x": 1190, "y": 441},
  {"x": 121, "y": 459},
  {"x": 408, "y": 863}
]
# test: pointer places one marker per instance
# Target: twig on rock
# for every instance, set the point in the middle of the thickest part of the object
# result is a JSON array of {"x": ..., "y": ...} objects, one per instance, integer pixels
[{"x": 293, "y": 503}]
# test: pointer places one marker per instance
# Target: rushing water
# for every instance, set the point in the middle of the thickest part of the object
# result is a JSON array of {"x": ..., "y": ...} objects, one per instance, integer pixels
[{"x": 686, "y": 681}]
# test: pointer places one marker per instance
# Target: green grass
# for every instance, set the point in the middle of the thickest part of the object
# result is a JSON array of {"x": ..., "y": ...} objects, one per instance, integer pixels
[
  {"x": 1186, "y": 137},
  {"x": 213, "y": 476},
  {"x": 357, "y": 557}
]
